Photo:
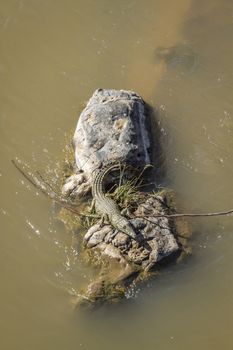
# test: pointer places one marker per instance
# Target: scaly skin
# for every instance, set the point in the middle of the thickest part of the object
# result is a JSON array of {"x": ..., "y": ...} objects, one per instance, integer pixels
[{"x": 106, "y": 206}]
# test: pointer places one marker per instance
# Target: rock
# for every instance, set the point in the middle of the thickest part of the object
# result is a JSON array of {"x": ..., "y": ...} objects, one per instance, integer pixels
[
  {"x": 158, "y": 237},
  {"x": 181, "y": 57},
  {"x": 75, "y": 186},
  {"x": 129, "y": 261},
  {"x": 108, "y": 250},
  {"x": 121, "y": 240},
  {"x": 96, "y": 235},
  {"x": 113, "y": 127}
]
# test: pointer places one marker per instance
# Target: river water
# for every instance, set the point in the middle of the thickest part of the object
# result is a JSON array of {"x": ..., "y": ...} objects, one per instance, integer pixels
[{"x": 178, "y": 56}]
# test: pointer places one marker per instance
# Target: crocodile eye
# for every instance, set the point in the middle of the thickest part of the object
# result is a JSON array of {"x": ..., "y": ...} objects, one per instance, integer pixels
[{"x": 123, "y": 227}]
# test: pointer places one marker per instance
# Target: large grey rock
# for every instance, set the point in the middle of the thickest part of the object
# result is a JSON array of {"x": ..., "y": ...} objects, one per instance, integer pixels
[{"x": 113, "y": 127}]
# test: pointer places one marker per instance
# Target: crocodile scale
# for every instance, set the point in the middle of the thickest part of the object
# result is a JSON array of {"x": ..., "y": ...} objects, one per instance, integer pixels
[{"x": 106, "y": 206}]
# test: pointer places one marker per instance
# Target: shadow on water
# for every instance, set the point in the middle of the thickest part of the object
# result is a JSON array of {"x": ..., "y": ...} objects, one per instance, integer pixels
[{"x": 158, "y": 172}]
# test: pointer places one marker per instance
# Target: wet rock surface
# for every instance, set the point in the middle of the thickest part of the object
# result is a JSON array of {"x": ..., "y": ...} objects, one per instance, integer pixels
[
  {"x": 124, "y": 262},
  {"x": 113, "y": 127},
  {"x": 157, "y": 237}
]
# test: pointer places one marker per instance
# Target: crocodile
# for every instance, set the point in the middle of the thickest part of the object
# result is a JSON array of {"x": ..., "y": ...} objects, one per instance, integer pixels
[{"x": 106, "y": 206}]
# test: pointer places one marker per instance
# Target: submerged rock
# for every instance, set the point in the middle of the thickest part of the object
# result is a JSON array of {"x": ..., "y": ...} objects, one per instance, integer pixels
[{"x": 181, "y": 57}]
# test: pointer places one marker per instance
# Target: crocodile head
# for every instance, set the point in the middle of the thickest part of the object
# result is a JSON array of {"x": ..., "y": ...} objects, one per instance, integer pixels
[{"x": 123, "y": 225}]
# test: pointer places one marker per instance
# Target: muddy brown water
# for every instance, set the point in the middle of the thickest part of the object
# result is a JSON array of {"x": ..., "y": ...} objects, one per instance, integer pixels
[{"x": 54, "y": 54}]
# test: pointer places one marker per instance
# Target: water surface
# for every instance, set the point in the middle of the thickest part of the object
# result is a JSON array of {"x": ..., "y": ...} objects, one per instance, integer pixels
[{"x": 54, "y": 54}]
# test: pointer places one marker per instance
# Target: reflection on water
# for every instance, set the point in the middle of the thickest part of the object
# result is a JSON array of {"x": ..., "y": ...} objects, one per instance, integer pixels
[{"x": 53, "y": 56}]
